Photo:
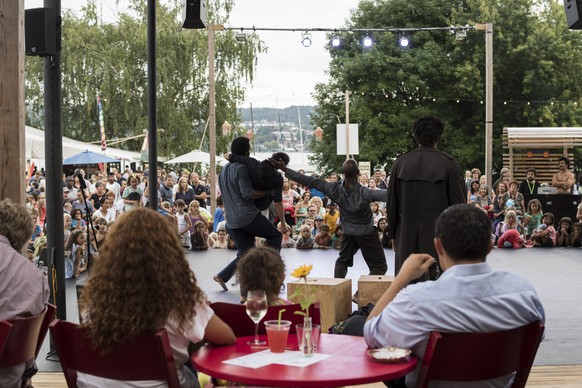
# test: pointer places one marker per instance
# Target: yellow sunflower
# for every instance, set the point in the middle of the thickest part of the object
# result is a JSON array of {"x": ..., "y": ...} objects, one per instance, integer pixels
[{"x": 302, "y": 271}]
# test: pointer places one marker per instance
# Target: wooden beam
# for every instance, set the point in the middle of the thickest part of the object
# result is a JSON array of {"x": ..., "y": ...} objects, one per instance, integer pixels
[{"x": 12, "y": 142}]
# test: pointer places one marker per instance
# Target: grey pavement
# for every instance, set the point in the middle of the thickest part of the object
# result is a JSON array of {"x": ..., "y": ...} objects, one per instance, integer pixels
[{"x": 555, "y": 273}]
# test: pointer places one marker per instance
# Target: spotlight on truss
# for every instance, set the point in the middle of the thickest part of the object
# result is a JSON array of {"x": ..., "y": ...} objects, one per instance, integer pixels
[
  {"x": 240, "y": 37},
  {"x": 306, "y": 39},
  {"x": 367, "y": 41},
  {"x": 403, "y": 41}
]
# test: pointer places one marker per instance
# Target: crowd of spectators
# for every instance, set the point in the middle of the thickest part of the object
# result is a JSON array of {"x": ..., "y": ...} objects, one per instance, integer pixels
[{"x": 517, "y": 224}]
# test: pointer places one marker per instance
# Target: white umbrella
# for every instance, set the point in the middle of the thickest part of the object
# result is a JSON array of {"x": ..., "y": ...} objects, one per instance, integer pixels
[{"x": 195, "y": 156}]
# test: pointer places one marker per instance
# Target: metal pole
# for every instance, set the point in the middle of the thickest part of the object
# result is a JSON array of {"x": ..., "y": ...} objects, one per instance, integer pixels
[
  {"x": 152, "y": 119},
  {"x": 488, "y": 28},
  {"x": 347, "y": 124},
  {"x": 212, "y": 113},
  {"x": 54, "y": 169},
  {"x": 253, "y": 128}
]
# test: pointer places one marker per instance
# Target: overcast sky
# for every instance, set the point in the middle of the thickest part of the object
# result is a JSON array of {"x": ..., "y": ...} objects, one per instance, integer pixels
[{"x": 287, "y": 73}]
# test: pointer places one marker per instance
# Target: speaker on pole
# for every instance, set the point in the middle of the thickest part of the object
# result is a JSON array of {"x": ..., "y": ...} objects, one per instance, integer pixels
[
  {"x": 40, "y": 29},
  {"x": 194, "y": 14},
  {"x": 573, "y": 14}
]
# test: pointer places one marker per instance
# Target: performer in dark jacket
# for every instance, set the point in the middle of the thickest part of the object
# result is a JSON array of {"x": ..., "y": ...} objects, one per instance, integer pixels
[
  {"x": 423, "y": 183},
  {"x": 356, "y": 218}
]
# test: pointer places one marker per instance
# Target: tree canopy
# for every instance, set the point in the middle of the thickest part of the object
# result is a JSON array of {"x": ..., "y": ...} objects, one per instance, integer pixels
[
  {"x": 537, "y": 67},
  {"x": 109, "y": 58}
]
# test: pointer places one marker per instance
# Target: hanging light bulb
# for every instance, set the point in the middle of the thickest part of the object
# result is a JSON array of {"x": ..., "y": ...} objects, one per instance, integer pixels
[
  {"x": 403, "y": 41},
  {"x": 335, "y": 41},
  {"x": 306, "y": 39}
]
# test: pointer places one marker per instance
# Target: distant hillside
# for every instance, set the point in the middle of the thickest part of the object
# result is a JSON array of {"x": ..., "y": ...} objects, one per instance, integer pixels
[{"x": 286, "y": 115}]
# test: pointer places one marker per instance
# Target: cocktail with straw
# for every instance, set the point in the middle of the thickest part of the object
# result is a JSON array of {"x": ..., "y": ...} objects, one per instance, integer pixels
[{"x": 277, "y": 333}]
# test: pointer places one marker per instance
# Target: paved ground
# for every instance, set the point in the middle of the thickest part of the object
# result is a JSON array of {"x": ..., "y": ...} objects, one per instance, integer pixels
[{"x": 555, "y": 272}]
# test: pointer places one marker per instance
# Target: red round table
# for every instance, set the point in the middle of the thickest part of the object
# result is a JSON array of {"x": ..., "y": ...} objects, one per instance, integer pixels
[{"x": 348, "y": 364}]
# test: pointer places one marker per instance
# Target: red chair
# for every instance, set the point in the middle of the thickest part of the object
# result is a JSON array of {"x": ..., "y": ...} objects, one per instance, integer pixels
[
  {"x": 5, "y": 328},
  {"x": 235, "y": 316},
  {"x": 23, "y": 340},
  {"x": 146, "y": 357},
  {"x": 481, "y": 356},
  {"x": 48, "y": 317}
]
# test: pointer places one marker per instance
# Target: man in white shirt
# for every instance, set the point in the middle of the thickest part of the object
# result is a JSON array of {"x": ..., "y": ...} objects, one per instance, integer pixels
[
  {"x": 468, "y": 297},
  {"x": 112, "y": 185}
]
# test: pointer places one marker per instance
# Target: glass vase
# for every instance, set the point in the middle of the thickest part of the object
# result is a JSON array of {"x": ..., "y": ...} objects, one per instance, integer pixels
[{"x": 307, "y": 338}]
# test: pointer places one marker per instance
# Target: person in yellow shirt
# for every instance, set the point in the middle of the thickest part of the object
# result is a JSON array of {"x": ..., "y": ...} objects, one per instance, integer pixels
[{"x": 331, "y": 217}]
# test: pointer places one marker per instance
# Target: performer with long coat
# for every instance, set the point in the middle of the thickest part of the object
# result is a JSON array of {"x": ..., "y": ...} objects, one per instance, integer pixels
[{"x": 423, "y": 183}]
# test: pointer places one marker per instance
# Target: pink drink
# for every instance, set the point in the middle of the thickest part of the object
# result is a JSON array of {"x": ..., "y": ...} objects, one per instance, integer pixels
[{"x": 277, "y": 333}]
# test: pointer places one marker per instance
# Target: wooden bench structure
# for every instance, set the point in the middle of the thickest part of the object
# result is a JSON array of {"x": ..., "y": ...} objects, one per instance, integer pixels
[{"x": 539, "y": 148}]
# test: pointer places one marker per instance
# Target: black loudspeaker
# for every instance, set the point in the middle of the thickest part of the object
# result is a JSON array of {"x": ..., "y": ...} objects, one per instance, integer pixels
[
  {"x": 40, "y": 31},
  {"x": 194, "y": 14},
  {"x": 573, "y": 14}
]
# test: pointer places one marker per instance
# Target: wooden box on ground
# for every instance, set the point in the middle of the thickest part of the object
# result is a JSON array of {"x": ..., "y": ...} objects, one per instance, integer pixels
[
  {"x": 372, "y": 287},
  {"x": 334, "y": 297}
]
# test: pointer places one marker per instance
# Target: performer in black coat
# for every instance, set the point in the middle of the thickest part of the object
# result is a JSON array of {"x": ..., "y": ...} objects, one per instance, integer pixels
[{"x": 423, "y": 183}]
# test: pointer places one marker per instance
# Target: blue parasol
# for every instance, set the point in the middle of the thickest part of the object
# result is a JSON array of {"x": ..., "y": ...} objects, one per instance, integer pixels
[{"x": 88, "y": 157}]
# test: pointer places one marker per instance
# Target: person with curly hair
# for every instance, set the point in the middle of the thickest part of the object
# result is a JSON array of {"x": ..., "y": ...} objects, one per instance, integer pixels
[
  {"x": 23, "y": 288},
  {"x": 142, "y": 283},
  {"x": 263, "y": 269}
]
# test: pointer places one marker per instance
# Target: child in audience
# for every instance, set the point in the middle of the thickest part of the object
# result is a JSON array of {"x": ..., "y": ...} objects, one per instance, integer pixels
[
  {"x": 317, "y": 227},
  {"x": 508, "y": 237},
  {"x": 304, "y": 241},
  {"x": 576, "y": 237},
  {"x": 67, "y": 225},
  {"x": 263, "y": 269},
  {"x": 76, "y": 262},
  {"x": 376, "y": 212},
  {"x": 77, "y": 219},
  {"x": 199, "y": 239},
  {"x": 563, "y": 233},
  {"x": 382, "y": 227},
  {"x": 218, "y": 240},
  {"x": 323, "y": 239},
  {"x": 545, "y": 234},
  {"x": 336, "y": 238},
  {"x": 183, "y": 223},
  {"x": 533, "y": 217},
  {"x": 287, "y": 241}
]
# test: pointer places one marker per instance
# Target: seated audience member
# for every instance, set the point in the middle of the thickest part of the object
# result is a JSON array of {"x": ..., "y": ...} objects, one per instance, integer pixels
[
  {"x": 576, "y": 237},
  {"x": 511, "y": 222},
  {"x": 468, "y": 297},
  {"x": 545, "y": 235},
  {"x": 76, "y": 262},
  {"x": 263, "y": 269},
  {"x": 336, "y": 238},
  {"x": 318, "y": 221},
  {"x": 563, "y": 233},
  {"x": 533, "y": 217},
  {"x": 218, "y": 240},
  {"x": 120, "y": 302},
  {"x": 199, "y": 238},
  {"x": 513, "y": 199},
  {"x": 483, "y": 201},
  {"x": 323, "y": 239},
  {"x": 331, "y": 217},
  {"x": 511, "y": 239},
  {"x": 24, "y": 291},
  {"x": 304, "y": 241},
  {"x": 286, "y": 241}
]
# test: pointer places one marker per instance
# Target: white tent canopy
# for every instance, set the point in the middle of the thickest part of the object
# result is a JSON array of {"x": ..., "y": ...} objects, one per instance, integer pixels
[{"x": 35, "y": 147}]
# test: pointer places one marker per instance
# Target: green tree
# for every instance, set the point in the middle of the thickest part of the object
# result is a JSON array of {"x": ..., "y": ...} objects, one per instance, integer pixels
[
  {"x": 110, "y": 59},
  {"x": 537, "y": 62}
]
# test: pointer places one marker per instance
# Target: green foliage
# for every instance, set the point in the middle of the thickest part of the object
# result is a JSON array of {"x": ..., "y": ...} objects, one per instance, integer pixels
[
  {"x": 110, "y": 58},
  {"x": 537, "y": 63}
]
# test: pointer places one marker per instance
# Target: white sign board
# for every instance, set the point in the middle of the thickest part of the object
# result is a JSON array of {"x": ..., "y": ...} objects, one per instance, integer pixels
[
  {"x": 365, "y": 167},
  {"x": 341, "y": 139}
]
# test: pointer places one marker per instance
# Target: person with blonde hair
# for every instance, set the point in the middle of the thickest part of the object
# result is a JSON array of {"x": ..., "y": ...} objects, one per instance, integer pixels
[
  {"x": 142, "y": 283},
  {"x": 23, "y": 288}
]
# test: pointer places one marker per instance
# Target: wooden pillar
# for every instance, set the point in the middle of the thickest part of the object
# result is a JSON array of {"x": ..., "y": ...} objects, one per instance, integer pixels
[{"x": 12, "y": 142}]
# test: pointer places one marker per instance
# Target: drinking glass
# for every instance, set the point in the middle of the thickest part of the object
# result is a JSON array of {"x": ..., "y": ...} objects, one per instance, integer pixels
[{"x": 256, "y": 306}]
